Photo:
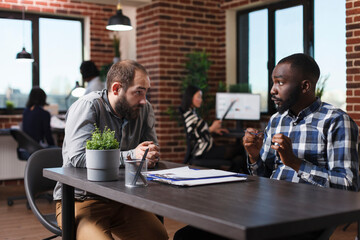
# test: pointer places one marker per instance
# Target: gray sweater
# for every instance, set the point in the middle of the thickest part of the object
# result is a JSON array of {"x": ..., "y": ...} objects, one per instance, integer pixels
[{"x": 95, "y": 108}]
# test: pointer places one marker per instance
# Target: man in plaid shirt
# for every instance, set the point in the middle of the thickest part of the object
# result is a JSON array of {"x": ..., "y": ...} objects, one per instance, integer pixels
[{"x": 307, "y": 140}]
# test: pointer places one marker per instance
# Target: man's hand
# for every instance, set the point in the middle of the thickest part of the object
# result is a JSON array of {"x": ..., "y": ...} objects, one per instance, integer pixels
[
  {"x": 283, "y": 145},
  {"x": 152, "y": 156},
  {"x": 253, "y": 141},
  {"x": 216, "y": 128}
]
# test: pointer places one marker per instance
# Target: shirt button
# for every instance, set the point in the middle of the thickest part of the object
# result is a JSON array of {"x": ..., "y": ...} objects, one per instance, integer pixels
[{"x": 294, "y": 123}]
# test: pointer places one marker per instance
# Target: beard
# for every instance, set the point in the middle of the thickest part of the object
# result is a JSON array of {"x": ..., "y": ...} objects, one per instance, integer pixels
[
  {"x": 125, "y": 109},
  {"x": 287, "y": 104}
]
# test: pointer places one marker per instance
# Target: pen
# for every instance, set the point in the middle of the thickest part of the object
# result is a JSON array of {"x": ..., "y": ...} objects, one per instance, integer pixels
[
  {"x": 254, "y": 133},
  {"x": 138, "y": 172}
]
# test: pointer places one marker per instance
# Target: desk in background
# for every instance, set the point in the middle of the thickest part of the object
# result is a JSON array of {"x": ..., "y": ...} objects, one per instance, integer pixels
[
  {"x": 10, "y": 166},
  {"x": 235, "y": 133},
  {"x": 255, "y": 209}
]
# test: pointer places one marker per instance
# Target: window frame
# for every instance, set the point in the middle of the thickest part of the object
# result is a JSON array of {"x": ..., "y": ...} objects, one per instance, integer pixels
[
  {"x": 242, "y": 39},
  {"x": 34, "y": 18}
]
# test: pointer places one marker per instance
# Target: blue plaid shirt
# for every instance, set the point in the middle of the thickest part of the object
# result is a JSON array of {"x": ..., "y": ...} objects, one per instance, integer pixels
[{"x": 324, "y": 137}]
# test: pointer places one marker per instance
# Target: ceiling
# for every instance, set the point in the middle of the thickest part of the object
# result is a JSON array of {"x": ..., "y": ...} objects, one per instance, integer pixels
[{"x": 134, "y": 3}]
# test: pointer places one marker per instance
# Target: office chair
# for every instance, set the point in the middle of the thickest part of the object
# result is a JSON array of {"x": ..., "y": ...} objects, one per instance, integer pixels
[
  {"x": 36, "y": 184},
  {"x": 26, "y": 146},
  {"x": 191, "y": 160}
]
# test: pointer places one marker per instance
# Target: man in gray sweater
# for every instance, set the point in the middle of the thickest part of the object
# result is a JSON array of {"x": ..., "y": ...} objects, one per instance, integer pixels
[{"x": 123, "y": 108}]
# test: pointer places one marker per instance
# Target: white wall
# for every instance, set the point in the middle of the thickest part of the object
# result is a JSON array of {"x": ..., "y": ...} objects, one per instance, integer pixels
[{"x": 128, "y": 38}]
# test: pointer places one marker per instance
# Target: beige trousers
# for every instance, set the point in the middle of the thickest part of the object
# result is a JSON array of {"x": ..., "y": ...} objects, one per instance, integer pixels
[{"x": 99, "y": 219}]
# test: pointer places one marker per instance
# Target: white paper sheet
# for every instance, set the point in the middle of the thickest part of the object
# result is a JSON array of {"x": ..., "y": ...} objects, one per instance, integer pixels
[
  {"x": 188, "y": 173},
  {"x": 200, "y": 181},
  {"x": 185, "y": 176}
]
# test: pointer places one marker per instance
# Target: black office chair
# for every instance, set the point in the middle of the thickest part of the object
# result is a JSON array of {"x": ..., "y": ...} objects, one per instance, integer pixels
[
  {"x": 26, "y": 146},
  {"x": 36, "y": 184},
  {"x": 191, "y": 160}
]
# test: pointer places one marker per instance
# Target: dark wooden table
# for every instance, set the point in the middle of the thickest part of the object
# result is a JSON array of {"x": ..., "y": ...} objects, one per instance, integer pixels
[{"x": 259, "y": 208}]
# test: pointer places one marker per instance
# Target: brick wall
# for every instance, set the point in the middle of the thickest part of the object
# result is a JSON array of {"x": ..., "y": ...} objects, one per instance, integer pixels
[
  {"x": 100, "y": 42},
  {"x": 353, "y": 59},
  {"x": 6, "y": 121},
  {"x": 166, "y": 31}
]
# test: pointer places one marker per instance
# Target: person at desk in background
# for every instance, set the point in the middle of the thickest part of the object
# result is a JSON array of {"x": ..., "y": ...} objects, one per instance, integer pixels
[
  {"x": 123, "y": 108},
  {"x": 90, "y": 74},
  {"x": 36, "y": 120},
  {"x": 200, "y": 132}
]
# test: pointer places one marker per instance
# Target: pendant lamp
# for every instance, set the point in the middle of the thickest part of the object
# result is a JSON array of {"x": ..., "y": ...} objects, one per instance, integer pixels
[
  {"x": 24, "y": 56},
  {"x": 76, "y": 91},
  {"x": 119, "y": 22}
]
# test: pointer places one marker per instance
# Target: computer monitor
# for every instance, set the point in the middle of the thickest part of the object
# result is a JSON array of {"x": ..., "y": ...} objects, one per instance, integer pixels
[{"x": 246, "y": 106}]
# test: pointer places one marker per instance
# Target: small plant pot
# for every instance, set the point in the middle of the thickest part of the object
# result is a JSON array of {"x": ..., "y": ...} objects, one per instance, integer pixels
[{"x": 102, "y": 165}]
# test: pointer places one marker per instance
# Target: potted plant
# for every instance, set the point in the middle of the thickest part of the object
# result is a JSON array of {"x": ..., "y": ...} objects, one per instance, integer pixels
[
  {"x": 102, "y": 156},
  {"x": 9, "y": 106},
  {"x": 320, "y": 86},
  {"x": 197, "y": 67},
  {"x": 116, "y": 46}
]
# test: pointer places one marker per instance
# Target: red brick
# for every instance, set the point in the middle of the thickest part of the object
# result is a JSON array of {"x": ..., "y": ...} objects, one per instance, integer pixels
[
  {"x": 54, "y": 4},
  {"x": 352, "y": 12},
  {"x": 41, "y": 3},
  {"x": 33, "y": 9},
  {"x": 48, "y": 10}
]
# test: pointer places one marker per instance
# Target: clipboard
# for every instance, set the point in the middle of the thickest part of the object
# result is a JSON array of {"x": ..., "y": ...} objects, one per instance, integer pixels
[
  {"x": 186, "y": 177},
  {"x": 228, "y": 109}
]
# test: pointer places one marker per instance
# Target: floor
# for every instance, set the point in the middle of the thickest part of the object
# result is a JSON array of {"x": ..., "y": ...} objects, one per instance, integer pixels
[{"x": 19, "y": 223}]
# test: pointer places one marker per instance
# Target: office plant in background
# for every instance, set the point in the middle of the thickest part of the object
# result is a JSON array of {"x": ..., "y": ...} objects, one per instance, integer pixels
[
  {"x": 320, "y": 86},
  {"x": 196, "y": 66},
  {"x": 104, "y": 69},
  {"x": 9, "y": 106},
  {"x": 240, "y": 88},
  {"x": 116, "y": 46}
]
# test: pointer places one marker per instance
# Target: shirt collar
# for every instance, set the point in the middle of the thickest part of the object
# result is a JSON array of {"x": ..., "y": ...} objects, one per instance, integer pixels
[{"x": 306, "y": 111}]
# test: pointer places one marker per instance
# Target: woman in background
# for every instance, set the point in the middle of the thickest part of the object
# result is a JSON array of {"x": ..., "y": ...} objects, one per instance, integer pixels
[
  {"x": 36, "y": 120},
  {"x": 200, "y": 133}
]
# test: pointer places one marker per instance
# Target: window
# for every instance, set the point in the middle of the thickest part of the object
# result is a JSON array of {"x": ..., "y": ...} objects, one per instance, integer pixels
[
  {"x": 330, "y": 49},
  {"x": 57, "y": 47},
  {"x": 266, "y": 35}
]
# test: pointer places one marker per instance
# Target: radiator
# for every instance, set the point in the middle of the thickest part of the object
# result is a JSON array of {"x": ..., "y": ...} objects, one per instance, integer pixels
[{"x": 10, "y": 166}]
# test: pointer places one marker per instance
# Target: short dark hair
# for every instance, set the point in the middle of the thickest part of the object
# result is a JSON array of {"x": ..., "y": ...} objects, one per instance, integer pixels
[
  {"x": 304, "y": 64},
  {"x": 37, "y": 97},
  {"x": 123, "y": 72},
  {"x": 188, "y": 96},
  {"x": 88, "y": 69}
]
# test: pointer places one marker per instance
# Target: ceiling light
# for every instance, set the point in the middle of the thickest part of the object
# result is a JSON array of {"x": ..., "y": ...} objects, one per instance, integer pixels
[
  {"x": 119, "y": 22},
  {"x": 24, "y": 56}
]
